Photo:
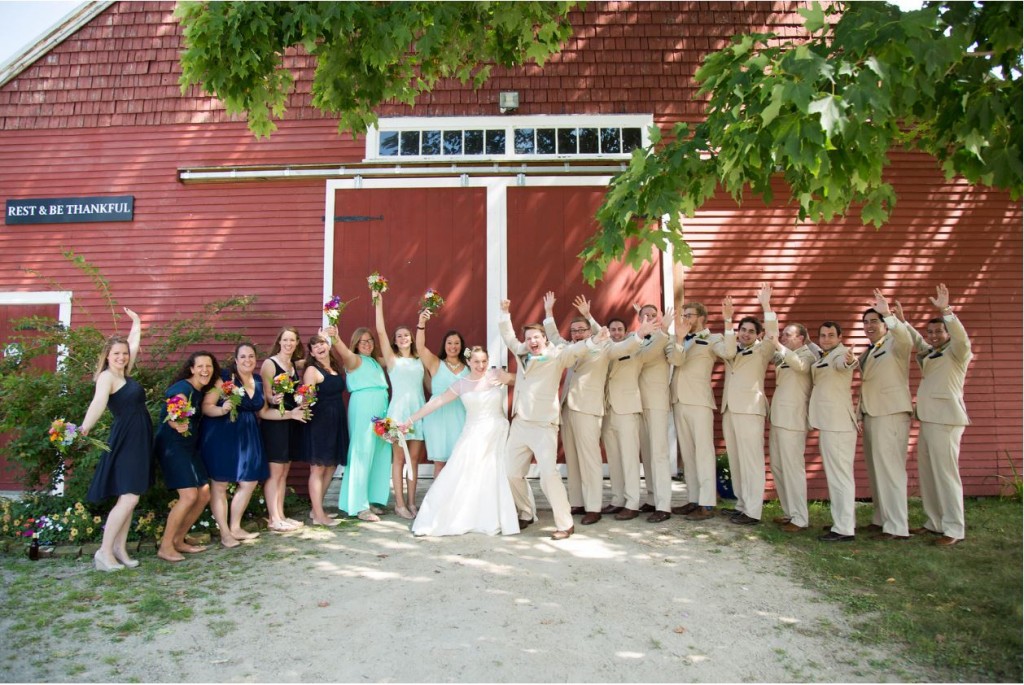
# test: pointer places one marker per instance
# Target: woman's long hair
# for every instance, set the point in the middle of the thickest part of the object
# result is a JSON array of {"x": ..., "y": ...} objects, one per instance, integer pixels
[{"x": 186, "y": 369}]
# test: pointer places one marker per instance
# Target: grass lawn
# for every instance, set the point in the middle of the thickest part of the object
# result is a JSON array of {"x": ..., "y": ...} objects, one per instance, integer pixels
[{"x": 957, "y": 609}]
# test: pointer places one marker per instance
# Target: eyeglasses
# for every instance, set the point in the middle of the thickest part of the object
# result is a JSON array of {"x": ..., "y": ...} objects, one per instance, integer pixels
[
  {"x": 365, "y": 340},
  {"x": 579, "y": 330}
]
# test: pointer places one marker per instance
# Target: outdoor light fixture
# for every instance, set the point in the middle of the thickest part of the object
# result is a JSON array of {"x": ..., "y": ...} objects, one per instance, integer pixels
[{"x": 508, "y": 101}]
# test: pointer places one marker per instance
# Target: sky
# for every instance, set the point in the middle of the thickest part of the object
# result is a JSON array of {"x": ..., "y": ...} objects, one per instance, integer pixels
[{"x": 23, "y": 22}]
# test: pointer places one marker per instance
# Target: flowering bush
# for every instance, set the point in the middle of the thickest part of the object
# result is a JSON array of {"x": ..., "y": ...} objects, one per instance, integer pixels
[{"x": 74, "y": 524}]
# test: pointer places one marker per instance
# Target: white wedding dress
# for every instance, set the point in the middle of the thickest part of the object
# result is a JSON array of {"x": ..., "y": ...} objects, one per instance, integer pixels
[{"x": 472, "y": 493}]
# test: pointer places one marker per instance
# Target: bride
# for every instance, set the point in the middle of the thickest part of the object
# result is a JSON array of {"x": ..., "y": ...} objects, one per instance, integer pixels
[{"x": 472, "y": 494}]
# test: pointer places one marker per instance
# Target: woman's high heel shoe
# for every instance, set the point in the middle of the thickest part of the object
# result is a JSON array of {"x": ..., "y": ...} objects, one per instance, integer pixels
[{"x": 102, "y": 565}]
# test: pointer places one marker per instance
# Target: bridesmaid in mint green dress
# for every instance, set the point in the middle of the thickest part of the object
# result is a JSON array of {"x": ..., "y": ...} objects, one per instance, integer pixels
[
  {"x": 443, "y": 427},
  {"x": 406, "y": 374},
  {"x": 365, "y": 483}
]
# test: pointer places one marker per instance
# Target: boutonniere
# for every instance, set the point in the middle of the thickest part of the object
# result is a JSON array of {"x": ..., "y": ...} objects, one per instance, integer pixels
[
  {"x": 536, "y": 357},
  {"x": 703, "y": 335},
  {"x": 878, "y": 345}
]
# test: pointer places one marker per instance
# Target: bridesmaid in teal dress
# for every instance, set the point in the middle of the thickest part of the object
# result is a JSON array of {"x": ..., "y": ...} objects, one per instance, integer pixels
[
  {"x": 443, "y": 427},
  {"x": 365, "y": 482},
  {"x": 406, "y": 374}
]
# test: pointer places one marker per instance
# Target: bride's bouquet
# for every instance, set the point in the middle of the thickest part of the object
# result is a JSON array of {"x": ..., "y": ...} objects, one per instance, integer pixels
[{"x": 389, "y": 430}]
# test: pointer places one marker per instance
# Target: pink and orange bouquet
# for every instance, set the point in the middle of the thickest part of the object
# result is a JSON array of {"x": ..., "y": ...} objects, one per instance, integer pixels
[
  {"x": 305, "y": 396},
  {"x": 65, "y": 435},
  {"x": 283, "y": 384},
  {"x": 378, "y": 284},
  {"x": 431, "y": 301},
  {"x": 387, "y": 429},
  {"x": 232, "y": 394},
  {"x": 179, "y": 409}
]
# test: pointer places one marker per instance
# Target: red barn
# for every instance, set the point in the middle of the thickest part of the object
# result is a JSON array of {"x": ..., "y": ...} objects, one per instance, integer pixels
[{"x": 457, "y": 195}]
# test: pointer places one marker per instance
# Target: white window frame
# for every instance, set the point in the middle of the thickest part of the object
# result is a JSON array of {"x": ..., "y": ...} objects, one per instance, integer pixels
[{"x": 509, "y": 124}]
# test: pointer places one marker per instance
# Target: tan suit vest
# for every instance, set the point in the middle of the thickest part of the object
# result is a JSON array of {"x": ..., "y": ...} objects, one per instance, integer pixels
[
  {"x": 691, "y": 382},
  {"x": 831, "y": 404},
  {"x": 885, "y": 373},
  {"x": 792, "y": 388},
  {"x": 940, "y": 397},
  {"x": 622, "y": 391},
  {"x": 535, "y": 397}
]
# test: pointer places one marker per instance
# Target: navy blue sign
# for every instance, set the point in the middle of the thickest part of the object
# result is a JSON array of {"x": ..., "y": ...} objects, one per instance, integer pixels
[{"x": 70, "y": 210}]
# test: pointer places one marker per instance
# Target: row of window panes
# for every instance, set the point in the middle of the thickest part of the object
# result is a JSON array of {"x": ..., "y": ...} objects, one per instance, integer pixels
[{"x": 527, "y": 141}]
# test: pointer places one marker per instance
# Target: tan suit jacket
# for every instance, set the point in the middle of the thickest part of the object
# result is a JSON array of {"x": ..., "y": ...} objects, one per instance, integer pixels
[
  {"x": 831, "y": 405},
  {"x": 622, "y": 391},
  {"x": 654, "y": 372},
  {"x": 585, "y": 393},
  {"x": 536, "y": 391},
  {"x": 885, "y": 373},
  {"x": 744, "y": 372},
  {"x": 940, "y": 397},
  {"x": 792, "y": 388},
  {"x": 691, "y": 382}
]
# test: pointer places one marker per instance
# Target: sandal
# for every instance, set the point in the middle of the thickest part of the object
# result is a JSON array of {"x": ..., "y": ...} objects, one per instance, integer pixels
[
  {"x": 404, "y": 512},
  {"x": 376, "y": 510},
  {"x": 280, "y": 527},
  {"x": 368, "y": 515}
]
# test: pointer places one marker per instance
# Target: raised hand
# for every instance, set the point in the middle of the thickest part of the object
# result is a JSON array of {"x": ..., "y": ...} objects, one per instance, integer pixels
[
  {"x": 505, "y": 304},
  {"x": 764, "y": 296},
  {"x": 131, "y": 315},
  {"x": 882, "y": 304},
  {"x": 549, "y": 303},
  {"x": 582, "y": 305},
  {"x": 424, "y": 317},
  {"x": 602, "y": 335},
  {"x": 727, "y": 308},
  {"x": 941, "y": 299},
  {"x": 645, "y": 328},
  {"x": 897, "y": 311},
  {"x": 683, "y": 326},
  {"x": 850, "y": 358}
]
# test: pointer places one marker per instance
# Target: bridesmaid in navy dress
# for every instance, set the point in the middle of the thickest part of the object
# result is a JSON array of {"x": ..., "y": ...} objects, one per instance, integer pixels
[
  {"x": 126, "y": 471},
  {"x": 179, "y": 457},
  {"x": 326, "y": 443},
  {"x": 282, "y": 440},
  {"x": 233, "y": 450}
]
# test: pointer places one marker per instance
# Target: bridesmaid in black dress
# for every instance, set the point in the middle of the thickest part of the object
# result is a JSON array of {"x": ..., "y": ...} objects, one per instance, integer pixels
[
  {"x": 282, "y": 440},
  {"x": 326, "y": 441},
  {"x": 126, "y": 471},
  {"x": 179, "y": 456}
]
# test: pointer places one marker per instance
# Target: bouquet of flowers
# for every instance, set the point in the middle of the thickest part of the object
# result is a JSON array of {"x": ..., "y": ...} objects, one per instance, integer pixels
[
  {"x": 64, "y": 435},
  {"x": 305, "y": 395},
  {"x": 432, "y": 301},
  {"x": 284, "y": 384},
  {"x": 333, "y": 309},
  {"x": 389, "y": 431},
  {"x": 378, "y": 284},
  {"x": 232, "y": 394},
  {"x": 179, "y": 409}
]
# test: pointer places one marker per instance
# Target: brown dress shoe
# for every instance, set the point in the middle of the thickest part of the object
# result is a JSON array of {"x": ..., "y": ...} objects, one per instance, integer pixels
[
  {"x": 647, "y": 508},
  {"x": 781, "y": 520},
  {"x": 836, "y": 537},
  {"x": 700, "y": 514},
  {"x": 610, "y": 509},
  {"x": 792, "y": 528},
  {"x": 627, "y": 515},
  {"x": 889, "y": 536},
  {"x": 946, "y": 541},
  {"x": 729, "y": 511},
  {"x": 659, "y": 516},
  {"x": 686, "y": 509},
  {"x": 744, "y": 520},
  {"x": 923, "y": 531},
  {"x": 590, "y": 518},
  {"x": 577, "y": 511},
  {"x": 563, "y": 534},
  {"x": 873, "y": 528}
]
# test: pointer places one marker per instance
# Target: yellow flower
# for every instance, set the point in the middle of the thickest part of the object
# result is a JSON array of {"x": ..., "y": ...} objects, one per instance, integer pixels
[
  {"x": 74, "y": 532},
  {"x": 88, "y": 531},
  {"x": 17, "y": 522},
  {"x": 96, "y": 519}
]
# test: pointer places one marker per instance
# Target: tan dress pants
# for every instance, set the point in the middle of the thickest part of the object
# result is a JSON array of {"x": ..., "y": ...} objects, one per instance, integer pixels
[
  {"x": 695, "y": 432},
  {"x": 837, "y": 452},
  {"x": 621, "y": 435},
  {"x": 885, "y": 452},
  {"x": 535, "y": 440},
  {"x": 744, "y": 439},
  {"x": 938, "y": 464},
  {"x": 786, "y": 450}
]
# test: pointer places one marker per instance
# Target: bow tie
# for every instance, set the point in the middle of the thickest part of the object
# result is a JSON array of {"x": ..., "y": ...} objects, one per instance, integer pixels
[
  {"x": 690, "y": 336},
  {"x": 935, "y": 354}
]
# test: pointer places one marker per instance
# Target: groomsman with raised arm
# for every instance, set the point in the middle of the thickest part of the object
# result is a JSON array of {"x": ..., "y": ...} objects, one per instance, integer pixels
[
  {"x": 654, "y": 397},
  {"x": 885, "y": 408},
  {"x": 787, "y": 438},
  {"x": 535, "y": 417},
  {"x": 620, "y": 430},
  {"x": 745, "y": 404},
  {"x": 582, "y": 400},
  {"x": 693, "y": 408},
  {"x": 831, "y": 413},
  {"x": 943, "y": 355}
]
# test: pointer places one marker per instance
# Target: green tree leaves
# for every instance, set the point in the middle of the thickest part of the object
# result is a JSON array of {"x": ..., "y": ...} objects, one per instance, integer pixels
[
  {"x": 366, "y": 52},
  {"x": 824, "y": 112}
]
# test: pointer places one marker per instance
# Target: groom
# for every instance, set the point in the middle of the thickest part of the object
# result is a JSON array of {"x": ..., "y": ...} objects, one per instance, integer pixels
[{"x": 535, "y": 415}]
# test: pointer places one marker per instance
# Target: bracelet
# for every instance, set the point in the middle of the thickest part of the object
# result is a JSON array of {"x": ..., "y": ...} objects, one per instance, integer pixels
[{"x": 421, "y": 328}]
